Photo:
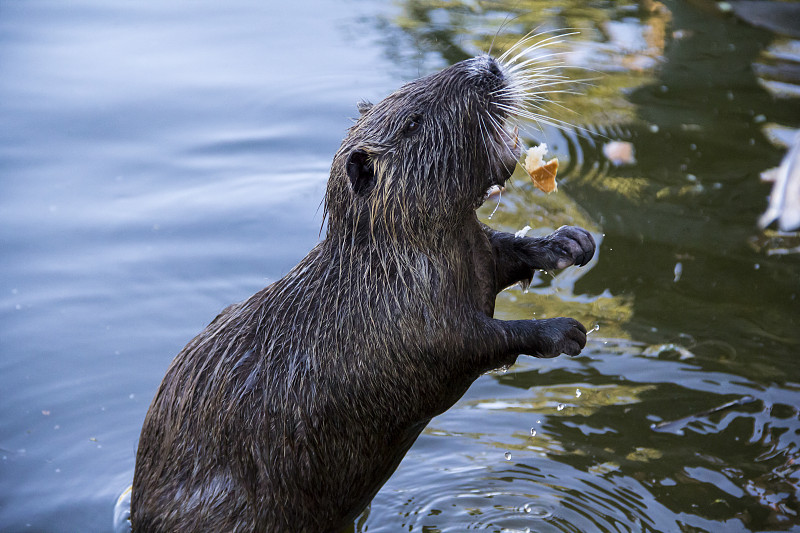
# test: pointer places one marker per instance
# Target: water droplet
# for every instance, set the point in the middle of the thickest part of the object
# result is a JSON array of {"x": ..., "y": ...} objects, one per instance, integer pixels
[
  {"x": 536, "y": 510},
  {"x": 508, "y": 456},
  {"x": 560, "y": 407},
  {"x": 499, "y": 198}
]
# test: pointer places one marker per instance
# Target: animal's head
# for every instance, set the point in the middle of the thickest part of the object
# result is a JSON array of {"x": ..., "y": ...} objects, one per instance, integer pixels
[{"x": 423, "y": 158}]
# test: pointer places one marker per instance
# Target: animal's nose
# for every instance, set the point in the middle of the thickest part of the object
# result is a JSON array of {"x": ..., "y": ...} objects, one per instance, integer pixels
[{"x": 494, "y": 68}]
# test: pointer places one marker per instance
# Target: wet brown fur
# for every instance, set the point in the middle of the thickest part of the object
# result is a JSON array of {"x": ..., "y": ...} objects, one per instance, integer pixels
[{"x": 292, "y": 408}]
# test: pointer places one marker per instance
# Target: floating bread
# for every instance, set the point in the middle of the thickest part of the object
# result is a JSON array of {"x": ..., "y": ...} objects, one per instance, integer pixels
[
  {"x": 543, "y": 174},
  {"x": 619, "y": 153}
]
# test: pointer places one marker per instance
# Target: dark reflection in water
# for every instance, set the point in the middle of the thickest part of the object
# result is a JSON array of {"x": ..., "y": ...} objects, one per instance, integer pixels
[
  {"x": 683, "y": 413},
  {"x": 161, "y": 162}
]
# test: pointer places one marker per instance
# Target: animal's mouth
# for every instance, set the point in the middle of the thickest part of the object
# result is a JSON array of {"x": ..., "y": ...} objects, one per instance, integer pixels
[
  {"x": 504, "y": 100},
  {"x": 520, "y": 82},
  {"x": 509, "y": 150}
]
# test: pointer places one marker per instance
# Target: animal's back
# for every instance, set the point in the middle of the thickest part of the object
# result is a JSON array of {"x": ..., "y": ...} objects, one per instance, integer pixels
[{"x": 283, "y": 399}]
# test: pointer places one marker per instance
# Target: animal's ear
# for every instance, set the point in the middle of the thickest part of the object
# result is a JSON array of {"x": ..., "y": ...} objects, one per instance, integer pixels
[
  {"x": 364, "y": 106},
  {"x": 361, "y": 171}
]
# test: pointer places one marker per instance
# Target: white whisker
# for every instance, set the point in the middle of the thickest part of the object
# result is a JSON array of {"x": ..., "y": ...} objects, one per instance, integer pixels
[
  {"x": 534, "y": 67},
  {"x": 549, "y": 41}
]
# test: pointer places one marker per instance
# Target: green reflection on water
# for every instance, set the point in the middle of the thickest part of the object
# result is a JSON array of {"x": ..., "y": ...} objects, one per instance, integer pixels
[{"x": 696, "y": 306}]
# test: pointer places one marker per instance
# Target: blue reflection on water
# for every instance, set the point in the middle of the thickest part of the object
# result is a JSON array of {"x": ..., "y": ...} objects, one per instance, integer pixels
[{"x": 158, "y": 163}]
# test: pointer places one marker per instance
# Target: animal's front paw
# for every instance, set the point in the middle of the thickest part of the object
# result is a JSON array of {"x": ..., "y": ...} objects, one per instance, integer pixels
[
  {"x": 560, "y": 335},
  {"x": 570, "y": 245}
]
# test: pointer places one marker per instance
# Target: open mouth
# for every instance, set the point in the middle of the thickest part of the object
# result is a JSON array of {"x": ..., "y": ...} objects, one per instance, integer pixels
[
  {"x": 509, "y": 150},
  {"x": 511, "y": 141}
]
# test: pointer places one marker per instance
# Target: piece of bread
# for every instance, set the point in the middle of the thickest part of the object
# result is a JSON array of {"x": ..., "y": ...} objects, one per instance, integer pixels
[{"x": 543, "y": 174}]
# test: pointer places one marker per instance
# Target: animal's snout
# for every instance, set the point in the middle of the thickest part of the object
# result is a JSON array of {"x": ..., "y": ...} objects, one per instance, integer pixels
[
  {"x": 488, "y": 74},
  {"x": 494, "y": 68},
  {"x": 488, "y": 67}
]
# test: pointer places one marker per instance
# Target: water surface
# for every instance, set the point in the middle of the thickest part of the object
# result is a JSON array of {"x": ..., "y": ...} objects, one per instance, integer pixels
[{"x": 160, "y": 162}]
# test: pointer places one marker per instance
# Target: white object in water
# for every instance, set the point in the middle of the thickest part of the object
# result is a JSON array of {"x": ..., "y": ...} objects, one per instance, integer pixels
[
  {"x": 122, "y": 512},
  {"x": 784, "y": 201},
  {"x": 524, "y": 231}
]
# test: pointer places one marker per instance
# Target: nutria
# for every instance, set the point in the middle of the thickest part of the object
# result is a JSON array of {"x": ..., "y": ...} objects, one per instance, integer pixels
[{"x": 292, "y": 408}]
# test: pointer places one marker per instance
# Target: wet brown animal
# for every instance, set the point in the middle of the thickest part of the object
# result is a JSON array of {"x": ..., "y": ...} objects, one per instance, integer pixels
[{"x": 292, "y": 408}]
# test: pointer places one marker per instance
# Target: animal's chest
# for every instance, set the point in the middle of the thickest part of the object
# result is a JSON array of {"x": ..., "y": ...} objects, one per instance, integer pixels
[{"x": 481, "y": 270}]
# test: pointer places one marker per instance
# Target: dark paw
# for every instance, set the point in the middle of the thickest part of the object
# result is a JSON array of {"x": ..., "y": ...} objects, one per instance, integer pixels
[
  {"x": 570, "y": 245},
  {"x": 561, "y": 335}
]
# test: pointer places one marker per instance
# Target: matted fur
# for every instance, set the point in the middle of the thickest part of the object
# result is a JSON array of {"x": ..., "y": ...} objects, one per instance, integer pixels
[{"x": 292, "y": 408}]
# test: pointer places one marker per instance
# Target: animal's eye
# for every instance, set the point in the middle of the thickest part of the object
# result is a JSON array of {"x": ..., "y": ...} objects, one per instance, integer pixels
[{"x": 413, "y": 124}]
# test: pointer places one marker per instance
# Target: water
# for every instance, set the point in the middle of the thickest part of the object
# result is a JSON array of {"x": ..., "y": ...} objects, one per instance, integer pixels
[{"x": 160, "y": 162}]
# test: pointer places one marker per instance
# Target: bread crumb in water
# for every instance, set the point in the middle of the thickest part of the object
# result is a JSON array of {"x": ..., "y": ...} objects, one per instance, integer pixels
[{"x": 619, "y": 153}]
